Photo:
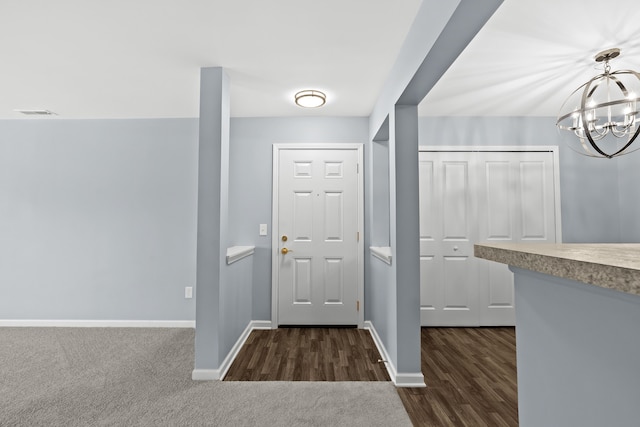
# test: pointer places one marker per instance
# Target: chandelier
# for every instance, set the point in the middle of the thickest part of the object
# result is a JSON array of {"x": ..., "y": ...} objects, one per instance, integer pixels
[{"x": 603, "y": 113}]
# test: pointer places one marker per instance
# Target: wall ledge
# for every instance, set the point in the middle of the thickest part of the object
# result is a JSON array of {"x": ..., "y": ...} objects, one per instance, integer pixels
[
  {"x": 383, "y": 253},
  {"x": 236, "y": 253}
]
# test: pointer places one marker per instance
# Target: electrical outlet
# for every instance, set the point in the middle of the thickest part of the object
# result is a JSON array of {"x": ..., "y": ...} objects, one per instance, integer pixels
[
  {"x": 263, "y": 229},
  {"x": 188, "y": 292}
]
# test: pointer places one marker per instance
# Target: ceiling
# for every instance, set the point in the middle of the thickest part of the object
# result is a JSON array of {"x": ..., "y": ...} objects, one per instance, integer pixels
[
  {"x": 141, "y": 59},
  {"x": 532, "y": 54}
]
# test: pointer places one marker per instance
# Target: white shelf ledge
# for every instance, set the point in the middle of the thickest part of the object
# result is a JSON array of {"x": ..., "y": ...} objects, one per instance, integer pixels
[
  {"x": 383, "y": 253},
  {"x": 236, "y": 253}
]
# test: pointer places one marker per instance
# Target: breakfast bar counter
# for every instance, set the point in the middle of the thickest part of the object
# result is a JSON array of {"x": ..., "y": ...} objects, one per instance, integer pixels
[{"x": 577, "y": 331}]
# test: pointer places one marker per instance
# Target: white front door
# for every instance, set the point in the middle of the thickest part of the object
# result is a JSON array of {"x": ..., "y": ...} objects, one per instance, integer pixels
[
  {"x": 468, "y": 197},
  {"x": 317, "y": 232}
]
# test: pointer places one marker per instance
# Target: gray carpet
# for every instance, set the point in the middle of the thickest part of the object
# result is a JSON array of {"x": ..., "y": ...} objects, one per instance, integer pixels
[{"x": 142, "y": 377}]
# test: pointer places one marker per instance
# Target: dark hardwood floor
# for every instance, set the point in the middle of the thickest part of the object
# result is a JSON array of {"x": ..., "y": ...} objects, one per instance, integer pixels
[
  {"x": 471, "y": 379},
  {"x": 470, "y": 372},
  {"x": 308, "y": 354}
]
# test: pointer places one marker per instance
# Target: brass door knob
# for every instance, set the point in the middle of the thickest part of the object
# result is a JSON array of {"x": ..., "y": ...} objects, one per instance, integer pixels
[{"x": 285, "y": 251}]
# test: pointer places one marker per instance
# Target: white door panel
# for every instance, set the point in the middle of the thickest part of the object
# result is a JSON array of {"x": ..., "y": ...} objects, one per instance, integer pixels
[
  {"x": 498, "y": 200},
  {"x": 318, "y": 217},
  {"x": 537, "y": 199},
  {"x": 446, "y": 245},
  {"x": 466, "y": 197}
]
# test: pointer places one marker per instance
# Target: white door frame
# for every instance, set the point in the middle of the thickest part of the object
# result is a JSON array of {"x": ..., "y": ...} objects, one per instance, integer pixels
[
  {"x": 275, "y": 242},
  {"x": 554, "y": 149}
]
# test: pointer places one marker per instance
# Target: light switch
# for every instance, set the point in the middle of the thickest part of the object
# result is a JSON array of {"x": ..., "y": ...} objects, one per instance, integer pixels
[{"x": 263, "y": 229}]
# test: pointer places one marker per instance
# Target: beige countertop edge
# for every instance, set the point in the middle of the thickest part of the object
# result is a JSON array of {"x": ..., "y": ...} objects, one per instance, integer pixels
[{"x": 600, "y": 274}]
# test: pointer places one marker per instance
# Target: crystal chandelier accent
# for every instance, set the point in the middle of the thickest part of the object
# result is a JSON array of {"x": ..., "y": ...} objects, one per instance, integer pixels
[{"x": 603, "y": 113}]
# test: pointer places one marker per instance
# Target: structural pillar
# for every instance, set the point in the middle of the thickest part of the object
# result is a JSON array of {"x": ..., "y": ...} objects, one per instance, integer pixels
[
  {"x": 407, "y": 243},
  {"x": 213, "y": 186}
]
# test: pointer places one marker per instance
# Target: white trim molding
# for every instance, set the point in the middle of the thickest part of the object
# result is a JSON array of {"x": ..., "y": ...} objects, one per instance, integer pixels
[
  {"x": 218, "y": 374},
  {"x": 388, "y": 363},
  {"x": 481, "y": 148},
  {"x": 236, "y": 253},
  {"x": 410, "y": 380},
  {"x": 205, "y": 374},
  {"x": 383, "y": 253},
  {"x": 47, "y": 323},
  {"x": 399, "y": 379},
  {"x": 261, "y": 324}
]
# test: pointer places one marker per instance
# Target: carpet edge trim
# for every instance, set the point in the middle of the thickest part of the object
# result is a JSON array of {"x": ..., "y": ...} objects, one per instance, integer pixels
[{"x": 73, "y": 323}]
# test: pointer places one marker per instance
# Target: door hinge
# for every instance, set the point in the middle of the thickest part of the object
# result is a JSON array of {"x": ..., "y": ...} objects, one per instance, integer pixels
[
  {"x": 358, "y": 305},
  {"x": 357, "y": 236},
  {"x": 357, "y": 167}
]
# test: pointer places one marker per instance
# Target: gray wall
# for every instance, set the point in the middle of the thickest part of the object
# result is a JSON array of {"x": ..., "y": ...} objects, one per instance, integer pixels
[
  {"x": 381, "y": 203},
  {"x": 578, "y": 349},
  {"x": 250, "y": 167},
  {"x": 589, "y": 188},
  {"x": 629, "y": 177},
  {"x": 97, "y": 219}
]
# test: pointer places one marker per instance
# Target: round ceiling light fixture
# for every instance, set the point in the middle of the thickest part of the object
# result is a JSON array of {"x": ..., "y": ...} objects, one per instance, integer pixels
[{"x": 310, "y": 98}]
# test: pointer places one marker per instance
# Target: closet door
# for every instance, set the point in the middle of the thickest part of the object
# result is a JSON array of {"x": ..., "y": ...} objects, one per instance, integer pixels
[
  {"x": 449, "y": 293},
  {"x": 469, "y": 197},
  {"x": 516, "y": 197}
]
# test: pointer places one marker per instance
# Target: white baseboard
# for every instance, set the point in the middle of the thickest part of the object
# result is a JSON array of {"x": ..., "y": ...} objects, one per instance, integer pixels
[
  {"x": 97, "y": 323},
  {"x": 205, "y": 374},
  {"x": 218, "y": 374},
  {"x": 410, "y": 380},
  {"x": 399, "y": 379},
  {"x": 261, "y": 324},
  {"x": 231, "y": 356}
]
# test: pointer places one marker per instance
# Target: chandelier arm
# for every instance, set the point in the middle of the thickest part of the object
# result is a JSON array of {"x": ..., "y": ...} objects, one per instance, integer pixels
[
  {"x": 633, "y": 138},
  {"x": 591, "y": 141},
  {"x": 600, "y": 133},
  {"x": 619, "y": 133}
]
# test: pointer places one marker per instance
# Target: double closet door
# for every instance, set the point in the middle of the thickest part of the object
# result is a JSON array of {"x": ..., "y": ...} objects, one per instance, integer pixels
[{"x": 469, "y": 197}]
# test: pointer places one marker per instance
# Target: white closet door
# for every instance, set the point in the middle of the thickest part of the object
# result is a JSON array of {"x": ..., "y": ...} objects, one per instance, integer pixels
[
  {"x": 469, "y": 197},
  {"x": 516, "y": 203},
  {"x": 449, "y": 294}
]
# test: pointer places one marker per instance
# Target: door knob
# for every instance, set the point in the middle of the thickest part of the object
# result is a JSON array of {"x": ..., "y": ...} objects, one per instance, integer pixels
[
  {"x": 455, "y": 248},
  {"x": 285, "y": 251}
]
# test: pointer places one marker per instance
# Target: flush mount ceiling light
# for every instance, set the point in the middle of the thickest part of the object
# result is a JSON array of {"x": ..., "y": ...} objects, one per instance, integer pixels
[
  {"x": 603, "y": 113},
  {"x": 310, "y": 98}
]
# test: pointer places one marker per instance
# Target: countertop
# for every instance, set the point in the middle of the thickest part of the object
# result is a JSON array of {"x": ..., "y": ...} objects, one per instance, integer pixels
[{"x": 608, "y": 265}]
